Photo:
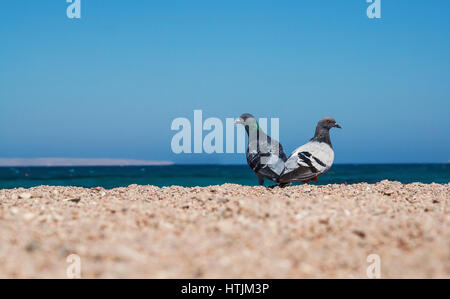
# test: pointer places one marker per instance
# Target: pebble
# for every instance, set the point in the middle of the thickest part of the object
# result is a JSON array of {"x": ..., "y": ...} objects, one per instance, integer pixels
[
  {"x": 28, "y": 216},
  {"x": 388, "y": 192},
  {"x": 75, "y": 200},
  {"x": 25, "y": 196}
]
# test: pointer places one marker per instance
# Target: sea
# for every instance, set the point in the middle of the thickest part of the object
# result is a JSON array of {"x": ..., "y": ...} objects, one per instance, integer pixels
[{"x": 206, "y": 175}]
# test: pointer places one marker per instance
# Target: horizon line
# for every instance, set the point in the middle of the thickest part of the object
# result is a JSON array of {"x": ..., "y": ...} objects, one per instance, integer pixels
[{"x": 99, "y": 162}]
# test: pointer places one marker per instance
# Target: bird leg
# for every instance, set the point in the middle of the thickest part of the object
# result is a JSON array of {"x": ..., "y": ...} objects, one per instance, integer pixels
[
  {"x": 260, "y": 180},
  {"x": 283, "y": 185}
]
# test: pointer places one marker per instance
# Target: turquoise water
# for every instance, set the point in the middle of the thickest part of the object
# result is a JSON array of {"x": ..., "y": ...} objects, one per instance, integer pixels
[{"x": 205, "y": 175}]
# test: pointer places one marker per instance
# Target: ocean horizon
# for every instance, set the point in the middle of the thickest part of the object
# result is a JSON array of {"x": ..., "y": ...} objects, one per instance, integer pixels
[{"x": 110, "y": 177}]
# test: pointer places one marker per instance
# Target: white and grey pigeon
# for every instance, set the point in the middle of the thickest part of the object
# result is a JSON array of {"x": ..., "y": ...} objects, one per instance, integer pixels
[
  {"x": 265, "y": 156},
  {"x": 313, "y": 159}
]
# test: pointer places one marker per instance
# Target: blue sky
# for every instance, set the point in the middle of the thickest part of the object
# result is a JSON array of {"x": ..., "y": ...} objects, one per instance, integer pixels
[{"x": 110, "y": 84}]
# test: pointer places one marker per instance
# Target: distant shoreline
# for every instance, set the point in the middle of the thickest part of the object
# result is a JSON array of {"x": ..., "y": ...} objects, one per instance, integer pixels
[{"x": 77, "y": 162}]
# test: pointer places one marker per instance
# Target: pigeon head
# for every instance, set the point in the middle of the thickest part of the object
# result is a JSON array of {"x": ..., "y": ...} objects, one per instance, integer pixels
[
  {"x": 247, "y": 120},
  {"x": 327, "y": 123},
  {"x": 323, "y": 130}
]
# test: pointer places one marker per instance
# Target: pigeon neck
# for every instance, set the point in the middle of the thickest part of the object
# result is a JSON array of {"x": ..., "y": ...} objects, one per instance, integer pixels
[
  {"x": 322, "y": 135},
  {"x": 255, "y": 134},
  {"x": 252, "y": 128}
]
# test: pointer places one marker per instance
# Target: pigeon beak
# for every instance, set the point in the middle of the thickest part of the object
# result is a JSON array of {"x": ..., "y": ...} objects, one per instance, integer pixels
[
  {"x": 239, "y": 121},
  {"x": 337, "y": 126}
]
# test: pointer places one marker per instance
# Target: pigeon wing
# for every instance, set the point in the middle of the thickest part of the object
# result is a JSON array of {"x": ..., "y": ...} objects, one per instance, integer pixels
[
  {"x": 274, "y": 157},
  {"x": 308, "y": 162},
  {"x": 268, "y": 159}
]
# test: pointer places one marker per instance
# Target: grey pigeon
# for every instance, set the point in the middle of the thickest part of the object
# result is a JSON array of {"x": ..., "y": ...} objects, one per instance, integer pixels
[
  {"x": 265, "y": 156},
  {"x": 313, "y": 159}
]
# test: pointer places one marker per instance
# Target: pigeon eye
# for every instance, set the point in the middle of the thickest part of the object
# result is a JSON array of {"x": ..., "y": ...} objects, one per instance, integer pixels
[{"x": 329, "y": 121}]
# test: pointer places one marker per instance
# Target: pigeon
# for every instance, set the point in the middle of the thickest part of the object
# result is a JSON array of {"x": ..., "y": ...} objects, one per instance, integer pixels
[
  {"x": 313, "y": 159},
  {"x": 265, "y": 156}
]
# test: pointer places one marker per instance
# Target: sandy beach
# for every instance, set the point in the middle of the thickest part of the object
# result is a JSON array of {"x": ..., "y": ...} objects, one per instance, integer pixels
[{"x": 227, "y": 231}]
